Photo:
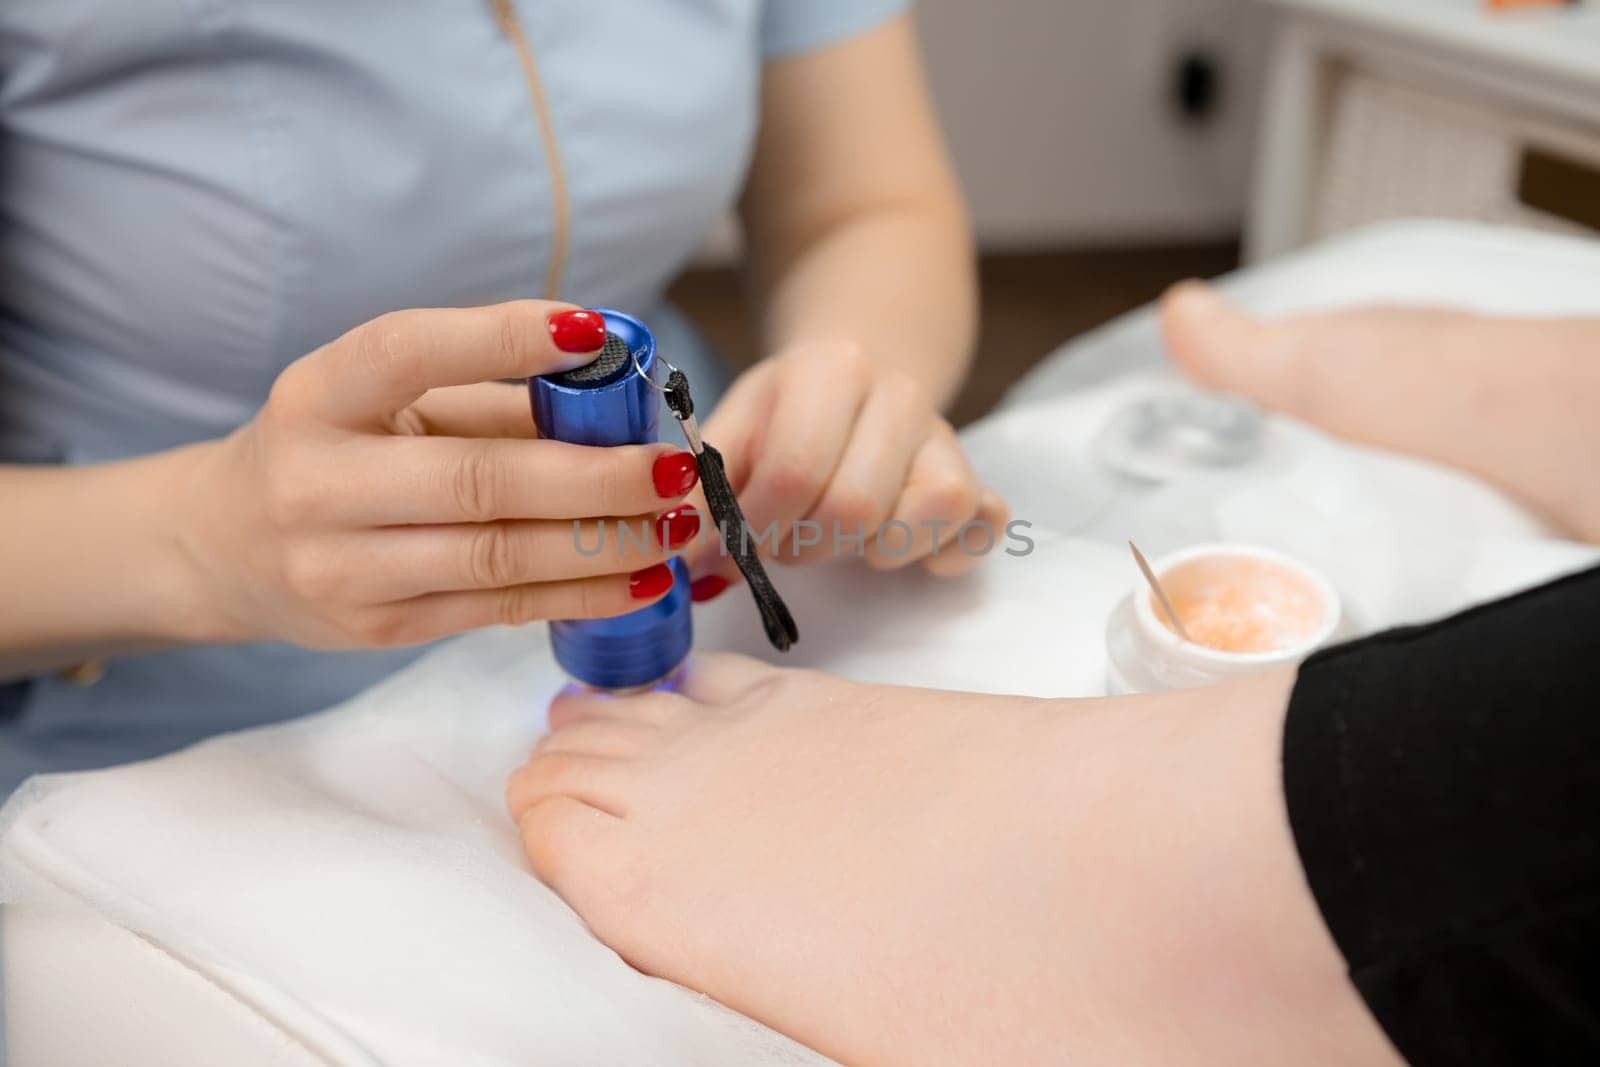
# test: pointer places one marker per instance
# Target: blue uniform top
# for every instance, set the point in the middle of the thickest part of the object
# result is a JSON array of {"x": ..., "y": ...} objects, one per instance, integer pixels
[{"x": 194, "y": 193}]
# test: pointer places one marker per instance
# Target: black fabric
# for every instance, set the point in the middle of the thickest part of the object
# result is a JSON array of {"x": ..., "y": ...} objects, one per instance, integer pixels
[
  {"x": 1443, "y": 784},
  {"x": 776, "y": 619},
  {"x": 610, "y": 360},
  {"x": 13, "y": 697}
]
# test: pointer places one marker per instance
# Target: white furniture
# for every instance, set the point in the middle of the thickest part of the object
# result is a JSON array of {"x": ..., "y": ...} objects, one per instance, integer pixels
[
  {"x": 347, "y": 890},
  {"x": 1061, "y": 118},
  {"x": 1384, "y": 109}
]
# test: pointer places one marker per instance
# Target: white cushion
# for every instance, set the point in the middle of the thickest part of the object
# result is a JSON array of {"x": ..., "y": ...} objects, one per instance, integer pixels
[{"x": 347, "y": 889}]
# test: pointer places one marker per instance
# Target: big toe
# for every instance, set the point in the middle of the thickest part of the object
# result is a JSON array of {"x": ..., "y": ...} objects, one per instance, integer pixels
[
  {"x": 585, "y": 855},
  {"x": 1218, "y": 345}
]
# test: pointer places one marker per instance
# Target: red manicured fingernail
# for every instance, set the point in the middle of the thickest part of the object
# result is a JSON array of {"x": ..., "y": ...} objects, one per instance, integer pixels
[
  {"x": 708, "y": 588},
  {"x": 650, "y": 582},
  {"x": 675, "y": 475},
  {"x": 578, "y": 331},
  {"x": 678, "y": 527}
]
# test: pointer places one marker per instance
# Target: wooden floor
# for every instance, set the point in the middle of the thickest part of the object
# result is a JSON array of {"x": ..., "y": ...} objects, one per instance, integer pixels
[{"x": 1031, "y": 304}]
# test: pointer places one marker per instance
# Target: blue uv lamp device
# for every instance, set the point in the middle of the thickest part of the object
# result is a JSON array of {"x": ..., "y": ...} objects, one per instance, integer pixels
[{"x": 616, "y": 401}]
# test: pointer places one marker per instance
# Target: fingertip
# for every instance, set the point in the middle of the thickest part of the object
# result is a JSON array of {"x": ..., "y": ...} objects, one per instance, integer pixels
[
  {"x": 993, "y": 508},
  {"x": 678, "y": 527},
  {"x": 951, "y": 562},
  {"x": 674, "y": 472},
  {"x": 706, "y": 554},
  {"x": 651, "y": 584},
  {"x": 705, "y": 589},
  {"x": 888, "y": 562},
  {"x": 578, "y": 333},
  {"x": 615, "y": 595}
]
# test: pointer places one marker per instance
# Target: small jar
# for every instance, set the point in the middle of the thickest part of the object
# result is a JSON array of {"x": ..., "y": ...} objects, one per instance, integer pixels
[{"x": 1247, "y": 609}]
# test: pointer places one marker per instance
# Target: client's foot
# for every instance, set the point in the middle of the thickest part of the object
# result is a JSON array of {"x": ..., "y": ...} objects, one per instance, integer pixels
[
  {"x": 1510, "y": 400},
  {"x": 908, "y": 876}
]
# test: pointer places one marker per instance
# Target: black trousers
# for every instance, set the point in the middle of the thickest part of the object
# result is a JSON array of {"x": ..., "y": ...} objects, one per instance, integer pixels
[{"x": 1443, "y": 783}]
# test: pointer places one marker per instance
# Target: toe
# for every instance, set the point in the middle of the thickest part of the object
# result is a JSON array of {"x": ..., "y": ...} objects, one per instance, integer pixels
[
  {"x": 722, "y": 678},
  {"x": 573, "y": 705},
  {"x": 580, "y": 852},
  {"x": 598, "y": 781},
  {"x": 1220, "y": 346},
  {"x": 599, "y": 737}
]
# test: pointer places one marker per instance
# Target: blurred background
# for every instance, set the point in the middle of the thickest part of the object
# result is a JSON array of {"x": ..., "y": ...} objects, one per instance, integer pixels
[
  {"x": 1112, "y": 147},
  {"x": 1105, "y": 148}
]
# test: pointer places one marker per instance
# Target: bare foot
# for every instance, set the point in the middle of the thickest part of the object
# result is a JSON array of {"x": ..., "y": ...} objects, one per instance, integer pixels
[
  {"x": 908, "y": 876},
  {"x": 1510, "y": 400}
]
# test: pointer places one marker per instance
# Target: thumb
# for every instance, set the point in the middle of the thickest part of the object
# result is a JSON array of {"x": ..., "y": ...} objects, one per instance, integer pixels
[{"x": 1222, "y": 348}]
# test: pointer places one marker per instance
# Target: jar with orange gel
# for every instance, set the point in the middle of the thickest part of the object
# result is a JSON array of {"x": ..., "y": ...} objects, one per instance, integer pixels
[{"x": 1245, "y": 608}]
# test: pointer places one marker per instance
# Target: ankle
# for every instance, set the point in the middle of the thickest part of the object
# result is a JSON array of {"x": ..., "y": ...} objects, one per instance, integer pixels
[{"x": 1205, "y": 912}]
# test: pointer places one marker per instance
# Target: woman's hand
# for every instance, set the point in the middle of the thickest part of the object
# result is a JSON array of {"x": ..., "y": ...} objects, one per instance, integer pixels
[
  {"x": 391, "y": 492},
  {"x": 861, "y": 264},
  {"x": 836, "y": 455}
]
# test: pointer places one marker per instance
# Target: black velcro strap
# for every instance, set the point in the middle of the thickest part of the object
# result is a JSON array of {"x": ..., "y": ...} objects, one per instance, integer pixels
[
  {"x": 607, "y": 363},
  {"x": 725, "y": 512},
  {"x": 678, "y": 396}
]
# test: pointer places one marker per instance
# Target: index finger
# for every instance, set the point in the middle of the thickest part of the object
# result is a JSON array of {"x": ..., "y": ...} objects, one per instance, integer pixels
[{"x": 381, "y": 366}]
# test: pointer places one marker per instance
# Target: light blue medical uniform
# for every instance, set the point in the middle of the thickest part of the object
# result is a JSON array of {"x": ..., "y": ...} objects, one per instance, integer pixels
[{"x": 193, "y": 193}]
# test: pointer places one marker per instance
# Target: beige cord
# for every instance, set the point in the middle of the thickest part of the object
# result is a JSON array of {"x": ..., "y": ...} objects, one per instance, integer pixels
[{"x": 511, "y": 26}]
